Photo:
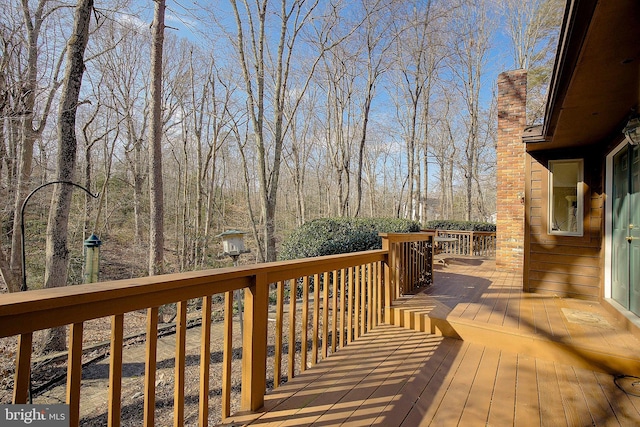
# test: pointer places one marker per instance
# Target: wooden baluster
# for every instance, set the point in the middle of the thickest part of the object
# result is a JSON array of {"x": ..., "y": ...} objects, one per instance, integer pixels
[
  {"x": 363, "y": 299},
  {"x": 227, "y": 354},
  {"x": 357, "y": 283},
  {"x": 370, "y": 304},
  {"x": 115, "y": 371},
  {"x": 398, "y": 266},
  {"x": 402, "y": 270},
  {"x": 293, "y": 294},
  {"x": 254, "y": 344},
  {"x": 277, "y": 359},
  {"x": 421, "y": 261},
  {"x": 150, "y": 367},
  {"x": 350, "y": 305},
  {"x": 429, "y": 246},
  {"x": 377, "y": 310},
  {"x": 316, "y": 319},
  {"x": 386, "y": 276},
  {"x": 382, "y": 283},
  {"x": 205, "y": 361},
  {"x": 74, "y": 373},
  {"x": 305, "y": 323},
  {"x": 334, "y": 312},
  {"x": 343, "y": 294},
  {"x": 180, "y": 363},
  {"x": 406, "y": 267},
  {"x": 424, "y": 269},
  {"x": 414, "y": 257},
  {"x": 325, "y": 315},
  {"x": 23, "y": 369},
  {"x": 411, "y": 262}
]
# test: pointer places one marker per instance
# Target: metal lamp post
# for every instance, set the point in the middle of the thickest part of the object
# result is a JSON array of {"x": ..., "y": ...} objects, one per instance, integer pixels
[
  {"x": 24, "y": 204},
  {"x": 23, "y": 287}
]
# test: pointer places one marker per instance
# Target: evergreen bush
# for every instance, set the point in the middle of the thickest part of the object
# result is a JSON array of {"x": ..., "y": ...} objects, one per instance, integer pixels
[{"x": 328, "y": 236}]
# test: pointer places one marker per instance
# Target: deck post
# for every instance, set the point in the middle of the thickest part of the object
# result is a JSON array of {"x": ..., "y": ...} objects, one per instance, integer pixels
[{"x": 254, "y": 344}]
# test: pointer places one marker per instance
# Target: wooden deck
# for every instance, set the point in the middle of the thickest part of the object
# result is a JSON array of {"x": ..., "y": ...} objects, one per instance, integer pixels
[{"x": 471, "y": 350}]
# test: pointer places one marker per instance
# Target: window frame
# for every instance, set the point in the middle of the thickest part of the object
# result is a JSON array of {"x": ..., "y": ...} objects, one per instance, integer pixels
[{"x": 580, "y": 192}]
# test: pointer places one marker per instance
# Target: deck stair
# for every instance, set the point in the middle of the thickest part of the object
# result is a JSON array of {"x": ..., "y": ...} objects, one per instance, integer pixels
[{"x": 489, "y": 310}]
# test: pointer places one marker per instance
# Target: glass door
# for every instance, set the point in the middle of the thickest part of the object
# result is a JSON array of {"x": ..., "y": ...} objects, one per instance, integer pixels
[{"x": 625, "y": 241}]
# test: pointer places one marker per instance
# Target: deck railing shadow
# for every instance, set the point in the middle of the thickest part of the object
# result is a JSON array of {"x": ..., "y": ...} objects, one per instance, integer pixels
[
  {"x": 389, "y": 369},
  {"x": 462, "y": 312}
]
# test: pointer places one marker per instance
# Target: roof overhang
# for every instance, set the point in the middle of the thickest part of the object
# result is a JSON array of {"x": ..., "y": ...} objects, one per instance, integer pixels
[{"x": 595, "y": 83}]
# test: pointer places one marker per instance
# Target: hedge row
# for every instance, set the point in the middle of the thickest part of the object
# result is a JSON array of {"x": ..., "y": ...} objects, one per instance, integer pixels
[
  {"x": 459, "y": 225},
  {"x": 328, "y": 236}
]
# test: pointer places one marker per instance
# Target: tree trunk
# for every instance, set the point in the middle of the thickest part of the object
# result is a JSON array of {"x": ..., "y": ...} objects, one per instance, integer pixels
[
  {"x": 156, "y": 202},
  {"x": 57, "y": 254},
  {"x": 33, "y": 24}
]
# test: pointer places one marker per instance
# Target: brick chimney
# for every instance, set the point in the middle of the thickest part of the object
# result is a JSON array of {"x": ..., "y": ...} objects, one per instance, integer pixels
[{"x": 512, "y": 112}]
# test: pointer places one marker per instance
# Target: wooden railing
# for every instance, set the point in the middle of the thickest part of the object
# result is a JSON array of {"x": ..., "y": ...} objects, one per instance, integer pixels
[
  {"x": 351, "y": 294},
  {"x": 467, "y": 243}
]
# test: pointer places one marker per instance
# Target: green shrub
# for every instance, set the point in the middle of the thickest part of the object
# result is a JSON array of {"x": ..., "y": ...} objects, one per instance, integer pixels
[
  {"x": 442, "y": 224},
  {"x": 328, "y": 236}
]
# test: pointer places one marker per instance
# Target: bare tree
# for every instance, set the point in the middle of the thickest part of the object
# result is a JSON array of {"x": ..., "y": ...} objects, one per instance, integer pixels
[
  {"x": 156, "y": 199},
  {"x": 532, "y": 28},
  {"x": 444, "y": 151},
  {"x": 292, "y": 16},
  {"x": 297, "y": 154},
  {"x": 340, "y": 126},
  {"x": 420, "y": 53},
  {"x": 98, "y": 126},
  {"x": 474, "y": 31},
  {"x": 32, "y": 124},
  {"x": 378, "y": 39},
  {"x": 57, "y": 254}
]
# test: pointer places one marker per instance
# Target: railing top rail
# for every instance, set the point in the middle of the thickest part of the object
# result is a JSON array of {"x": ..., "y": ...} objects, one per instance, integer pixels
[
  {"x": 46, "y": 308},
  {"x": 436, "y": 231},
  {"x": 407, "y": 237}
]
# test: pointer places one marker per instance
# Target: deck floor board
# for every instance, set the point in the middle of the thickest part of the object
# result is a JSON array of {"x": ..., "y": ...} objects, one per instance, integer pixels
[
  {"x": 575, "y": 406},
  {"x": 503, "y": 401},
  {"x": 395, "y": 376}
]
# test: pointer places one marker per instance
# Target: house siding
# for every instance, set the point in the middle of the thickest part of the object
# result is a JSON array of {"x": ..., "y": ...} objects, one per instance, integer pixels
[{"x": 566, "y": 266}]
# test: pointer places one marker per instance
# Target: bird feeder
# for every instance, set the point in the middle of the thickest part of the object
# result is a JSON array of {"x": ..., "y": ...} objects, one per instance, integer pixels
[
  {"x": 92, "y": 259},
  {"x": 233, "y": 243}
]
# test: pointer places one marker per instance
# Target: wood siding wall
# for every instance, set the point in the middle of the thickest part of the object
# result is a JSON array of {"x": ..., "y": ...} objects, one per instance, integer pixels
[{"x": 567, "y": 266}]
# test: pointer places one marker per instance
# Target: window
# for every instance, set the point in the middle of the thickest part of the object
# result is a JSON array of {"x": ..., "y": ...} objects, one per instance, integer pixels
[{"x": 565, "y": 197}]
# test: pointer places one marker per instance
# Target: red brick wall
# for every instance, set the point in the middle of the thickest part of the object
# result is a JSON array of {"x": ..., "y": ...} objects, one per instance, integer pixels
[{"x": 512, "y": 99}]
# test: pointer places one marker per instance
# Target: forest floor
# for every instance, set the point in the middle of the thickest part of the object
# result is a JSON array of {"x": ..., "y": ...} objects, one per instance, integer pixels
[{"x": 49, "y": 373}]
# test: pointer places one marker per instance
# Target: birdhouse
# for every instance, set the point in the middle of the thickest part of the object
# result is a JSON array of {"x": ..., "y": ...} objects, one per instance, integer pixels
[{"x": 233, "y": 242}]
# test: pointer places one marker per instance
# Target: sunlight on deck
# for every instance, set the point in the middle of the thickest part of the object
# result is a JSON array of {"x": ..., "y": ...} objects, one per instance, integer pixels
[{"x": 520, "y": 361}]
